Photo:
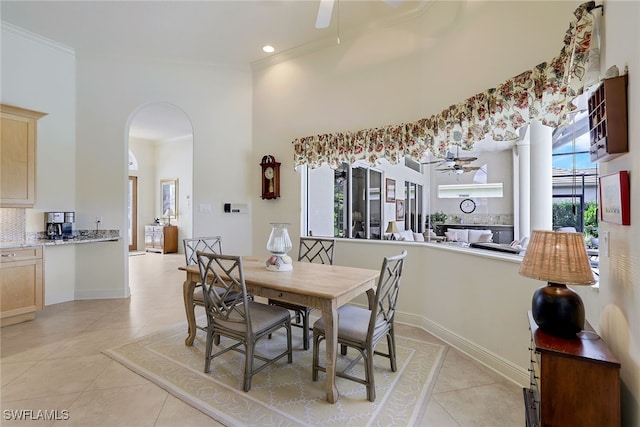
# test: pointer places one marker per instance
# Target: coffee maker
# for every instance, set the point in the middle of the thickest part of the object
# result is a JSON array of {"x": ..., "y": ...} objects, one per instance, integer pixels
[
  {"x": 53, "y": 224},
  {"x": 59, "y": 225},
  {"x": 67, "y": 225}
]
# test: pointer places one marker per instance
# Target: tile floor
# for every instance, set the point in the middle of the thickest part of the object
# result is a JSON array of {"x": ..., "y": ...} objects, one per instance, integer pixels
[{"x": 55, "y": 363}]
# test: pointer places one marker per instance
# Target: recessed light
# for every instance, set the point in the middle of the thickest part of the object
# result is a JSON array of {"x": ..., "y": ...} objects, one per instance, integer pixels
[{"x": 268, "y": 49}]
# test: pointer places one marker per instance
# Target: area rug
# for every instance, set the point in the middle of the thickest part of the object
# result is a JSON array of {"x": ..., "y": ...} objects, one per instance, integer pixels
[{"x": 284, "y": 394}]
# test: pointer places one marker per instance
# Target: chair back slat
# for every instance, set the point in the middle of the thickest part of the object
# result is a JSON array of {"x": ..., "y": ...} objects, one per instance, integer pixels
[
  {"x": 387, "y": 290},
  {"x": 211, "y": 244},
  {"x": 224, "y": 288},
  {"x": 316, "y": 249}
]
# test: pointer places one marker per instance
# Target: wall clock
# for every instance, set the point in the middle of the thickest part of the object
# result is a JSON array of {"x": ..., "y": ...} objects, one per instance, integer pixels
[
  {"x": 270, "y": 177},
  {"x": 467, "y": 206}
]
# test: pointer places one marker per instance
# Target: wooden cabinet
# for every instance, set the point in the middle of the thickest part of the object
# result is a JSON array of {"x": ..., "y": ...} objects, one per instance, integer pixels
[
  {"x": 18, "y": 156},
  {"x": 574, "y": 382},
  {"x": 161, "y": 238},
  {"x": 608, "y": 119},
  {"x": 21, "y": 284}
]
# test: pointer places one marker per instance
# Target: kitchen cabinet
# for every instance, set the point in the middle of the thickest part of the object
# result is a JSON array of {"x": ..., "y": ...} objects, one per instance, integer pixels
[
  {"x": 18, "y": 156},
  {"x": 574, "y": 381},
  {"x": 161, "y": 238},
  {"x": 608, "y": 120},
  {"x": 21, "y": 284}
]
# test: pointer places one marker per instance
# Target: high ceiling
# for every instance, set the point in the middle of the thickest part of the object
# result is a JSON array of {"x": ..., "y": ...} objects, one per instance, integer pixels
[
  {"x": 231, "y": 32},
  {"x": 209, "y": 31}
]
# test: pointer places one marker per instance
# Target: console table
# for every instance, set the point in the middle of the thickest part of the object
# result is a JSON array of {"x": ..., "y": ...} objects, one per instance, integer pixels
[{"x": 574, "y": 382}]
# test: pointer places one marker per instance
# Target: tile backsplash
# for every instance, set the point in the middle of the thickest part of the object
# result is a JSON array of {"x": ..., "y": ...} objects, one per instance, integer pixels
[{"x": 12, "y": 224}]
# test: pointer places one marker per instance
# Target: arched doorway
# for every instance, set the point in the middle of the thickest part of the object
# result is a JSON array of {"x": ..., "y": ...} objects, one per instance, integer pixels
[{"x": 161, "y": 141}]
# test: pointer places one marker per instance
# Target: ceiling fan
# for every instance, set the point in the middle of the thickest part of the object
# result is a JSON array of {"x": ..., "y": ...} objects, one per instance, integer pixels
[
  {"x": 459, "y": 169},
  {"x": 453, "y": 161},
  {"x": 326, "y": 10}
]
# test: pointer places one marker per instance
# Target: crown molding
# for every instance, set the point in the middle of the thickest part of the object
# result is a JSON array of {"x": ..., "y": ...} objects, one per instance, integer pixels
[{"x": 36, "y": 38}]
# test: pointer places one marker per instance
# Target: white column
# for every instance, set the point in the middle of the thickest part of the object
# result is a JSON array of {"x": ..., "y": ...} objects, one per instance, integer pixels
[
  {"x": 541, "y": 170},
  {"x": 522, "y": 183}
]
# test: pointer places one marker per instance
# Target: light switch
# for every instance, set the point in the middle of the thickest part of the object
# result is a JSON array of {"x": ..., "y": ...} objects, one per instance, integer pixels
[
  {"x": 603, "y": 246},
  {"x": 205, "y": 208}
]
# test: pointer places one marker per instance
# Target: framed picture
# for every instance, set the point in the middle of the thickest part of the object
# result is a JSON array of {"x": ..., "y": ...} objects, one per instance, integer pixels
[
  {"x": 614, "y": 198},
  {"x": 391, "y": 190},
  {"x": 169, "y": 198},
  {"x": 399, "y": 210}
]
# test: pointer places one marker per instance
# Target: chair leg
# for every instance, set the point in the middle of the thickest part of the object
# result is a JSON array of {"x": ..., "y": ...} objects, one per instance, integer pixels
[
  {"x": 369, "y": 378},
  {"x": 343, "y": 349},
  {"x": 289, "y": 345},
  {"x": 316, "y": 353},
  {"x": 305, "y": 330},
  {"x": 391, "y": 343},
  {"x": 209, "y": 348},
  {"x": 248, "y": 365}
]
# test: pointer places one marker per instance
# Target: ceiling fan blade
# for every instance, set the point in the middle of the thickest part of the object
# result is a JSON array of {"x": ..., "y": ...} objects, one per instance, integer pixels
[
  {"x": 324, "y": 14},
  {"x": 466, "y": 159}
]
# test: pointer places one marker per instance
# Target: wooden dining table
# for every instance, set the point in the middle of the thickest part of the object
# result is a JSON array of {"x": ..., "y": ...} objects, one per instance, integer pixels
[{"x": 320, "y": 286}]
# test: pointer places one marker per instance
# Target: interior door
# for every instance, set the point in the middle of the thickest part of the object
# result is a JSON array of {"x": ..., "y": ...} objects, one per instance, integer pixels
[{"x": 132, "y": 214}]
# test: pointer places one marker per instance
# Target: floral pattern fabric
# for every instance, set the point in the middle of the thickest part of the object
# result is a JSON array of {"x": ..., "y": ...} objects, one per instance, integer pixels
[{"x": 544, "y": 93}]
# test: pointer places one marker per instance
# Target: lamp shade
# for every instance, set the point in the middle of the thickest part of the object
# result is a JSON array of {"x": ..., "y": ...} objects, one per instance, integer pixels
[
  {"x": 169, "y": 213},
  {"x": 392, "y": 227},
  {"x": 559, "y": 257}
]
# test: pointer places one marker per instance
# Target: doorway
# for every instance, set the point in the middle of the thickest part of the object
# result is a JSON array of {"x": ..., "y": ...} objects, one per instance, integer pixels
[
  {"x": 160, "y": 143},
  {"x": 132, "y": 214}
]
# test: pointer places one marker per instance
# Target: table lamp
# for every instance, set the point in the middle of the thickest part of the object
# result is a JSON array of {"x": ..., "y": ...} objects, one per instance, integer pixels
[
  {"x": 169, "y": 213},
  {"x": 560, "y": 258},
  {"x": 392, "y": 228}
]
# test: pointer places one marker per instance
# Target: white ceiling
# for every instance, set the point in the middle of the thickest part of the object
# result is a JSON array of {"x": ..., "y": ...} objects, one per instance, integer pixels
[{"x": 195, "y": 31}]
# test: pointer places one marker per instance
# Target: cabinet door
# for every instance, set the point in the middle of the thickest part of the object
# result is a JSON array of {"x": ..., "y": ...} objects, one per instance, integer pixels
[
  {"x": 148, "y": 239},
  {"x": 18, "y": 159},
  {"x": 158, "y": 240},
  {"x": 21, "y": 292}
]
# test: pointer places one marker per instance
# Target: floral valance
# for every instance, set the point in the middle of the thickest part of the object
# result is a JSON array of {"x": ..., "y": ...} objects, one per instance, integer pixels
[{"x": 544, "y": 93}]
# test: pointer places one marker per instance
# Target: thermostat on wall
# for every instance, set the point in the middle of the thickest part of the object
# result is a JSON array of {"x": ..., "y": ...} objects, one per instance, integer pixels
[{"x": 236, "y": 208}]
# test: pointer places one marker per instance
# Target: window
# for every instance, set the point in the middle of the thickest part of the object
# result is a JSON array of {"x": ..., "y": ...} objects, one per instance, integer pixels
[
  {"x": 351, "y": 201},
  {"x": 575, "y": 178},
  {"x": 413, "y": 207}
]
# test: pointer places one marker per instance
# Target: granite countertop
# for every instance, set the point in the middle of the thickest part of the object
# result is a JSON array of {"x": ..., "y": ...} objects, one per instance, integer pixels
[{"x": 80, "y": 236}]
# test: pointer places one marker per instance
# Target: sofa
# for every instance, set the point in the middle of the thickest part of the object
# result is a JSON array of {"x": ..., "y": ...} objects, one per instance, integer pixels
[{"x": 468, "y": 235}]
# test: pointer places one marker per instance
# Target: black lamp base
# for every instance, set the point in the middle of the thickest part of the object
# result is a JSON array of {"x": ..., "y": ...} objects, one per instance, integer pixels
[{"x": 558, "y": 310}]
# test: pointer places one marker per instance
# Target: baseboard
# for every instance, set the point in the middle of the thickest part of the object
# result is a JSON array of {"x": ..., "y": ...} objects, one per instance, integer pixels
[
  {"x": 102, "y": 294},
  {"x": 491, "y": 360}
]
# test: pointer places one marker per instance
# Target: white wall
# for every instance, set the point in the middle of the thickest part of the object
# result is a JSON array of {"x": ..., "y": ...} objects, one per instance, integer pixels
[
  {"x": 174, "y": 160},
  {"x": 40, "y": 75},
  {"x": 615, "y": 312},
  {"x": 499, "y": 169}
]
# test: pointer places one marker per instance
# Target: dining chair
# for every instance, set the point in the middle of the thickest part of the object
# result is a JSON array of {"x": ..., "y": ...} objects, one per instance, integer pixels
[
  {"x": 233, "y": 315},
  {"x": 211, "y": 244},
  {"x": 315, "y": 250},
  {"x": 363, "y": 329}
]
